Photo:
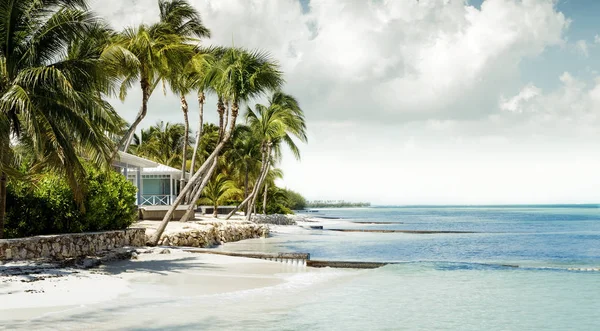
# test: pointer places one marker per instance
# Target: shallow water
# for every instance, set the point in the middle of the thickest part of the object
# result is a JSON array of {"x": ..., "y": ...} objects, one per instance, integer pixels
[{"x": 444, "y": 281}]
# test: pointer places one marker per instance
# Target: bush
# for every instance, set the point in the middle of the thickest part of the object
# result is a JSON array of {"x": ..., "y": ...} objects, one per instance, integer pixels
[
  {"x": 295, "y": 200},
  {"x": 48, "y": 206}
]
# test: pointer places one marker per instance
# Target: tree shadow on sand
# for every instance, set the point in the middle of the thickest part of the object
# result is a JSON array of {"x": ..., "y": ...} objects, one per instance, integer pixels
[{"x": 161, "y": 267}]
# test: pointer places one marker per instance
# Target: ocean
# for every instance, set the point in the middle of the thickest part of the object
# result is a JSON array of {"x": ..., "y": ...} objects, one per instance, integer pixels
[
  {"x": 524, "y": 268},
  {"x": 521, "y": 268}
]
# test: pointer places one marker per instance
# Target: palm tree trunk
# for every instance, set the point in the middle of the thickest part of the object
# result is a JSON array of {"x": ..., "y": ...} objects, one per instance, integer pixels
[
  {"x": 266, "y": 161},
  {"x": 265, "y": 198},
  {"x": 242, "y": 204},
  {"x": 221, "y": 111},
  {"x": 227, "y": 107},
  {"x": 255, "y": 192},
  {"x": 246, "y": 187},
  {"x": 126, "y": 139},
  {"x": 199, "y": 133},
  {"x": 198, "y": 191},
  {"x": 184, "y": 109},
  {"x": 201, "y": 99},
  {"x": 252, "y": 194},
  {"x": 3, "y": 194},
  {"x": 161, "y": 228}
]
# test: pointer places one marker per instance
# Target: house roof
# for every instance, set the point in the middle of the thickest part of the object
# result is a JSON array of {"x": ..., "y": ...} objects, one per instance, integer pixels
[
  {"x": 136, "y": 161},
  {"x": 148, "y": 166},
  {"x": 161, "y": 168}
]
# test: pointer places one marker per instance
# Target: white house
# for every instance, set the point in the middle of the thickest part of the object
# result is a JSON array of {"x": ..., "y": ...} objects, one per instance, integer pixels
[{"x": 157, "y": 184}]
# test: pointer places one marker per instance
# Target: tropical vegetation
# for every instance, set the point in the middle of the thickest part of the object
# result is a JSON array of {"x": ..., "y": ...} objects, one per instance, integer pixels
[{"x": 59, "y": 135}]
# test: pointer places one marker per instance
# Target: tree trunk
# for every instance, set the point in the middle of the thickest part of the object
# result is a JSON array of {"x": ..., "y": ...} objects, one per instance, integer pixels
[
  {"x": 3, "y": 193},
  {"x": 161, "y": 228},
  {"x": 242, "y": 204},
  {"x": 184, "y": 109},
  {"x": 126, "y": 139},
  {"x": 221, "y": 112},
  {"x": 246, "y": 187},
  {"x": 254, "y": 191},
  {"x": 198, "y": 191},
  {"x": 201, "y": 99},
  {"x": 261, "y": 179},
  {"x": 265, "y": 199},
  {"x": 227, "y": 107},
  {"x": 199, "y": 133}
]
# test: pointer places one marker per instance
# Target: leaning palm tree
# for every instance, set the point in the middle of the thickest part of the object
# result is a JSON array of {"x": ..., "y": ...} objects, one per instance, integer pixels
[
  {"x": 244, "y": 156},
  {"x": 53, "y": 85},
  {"x": 149, "y": 53},
  {"x": 218, "y": 190},
  {"x": 275, "y": 124},
  {"x": 272, "y": 175},
  {"x": 238, "y": 76}
]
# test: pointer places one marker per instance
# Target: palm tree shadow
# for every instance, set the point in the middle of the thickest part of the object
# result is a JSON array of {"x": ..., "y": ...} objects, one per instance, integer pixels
[{"x": 161, "y": 267}]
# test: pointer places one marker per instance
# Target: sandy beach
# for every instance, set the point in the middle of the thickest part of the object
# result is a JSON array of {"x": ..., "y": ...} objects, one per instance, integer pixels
[{"x": 33, "y": 293}]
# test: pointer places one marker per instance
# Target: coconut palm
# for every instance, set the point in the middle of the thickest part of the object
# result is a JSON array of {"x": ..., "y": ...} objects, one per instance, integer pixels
[
  {"x": 218, "y": 190},
  {"x": 53, "y": 83},
  {"x": 272, "y": 175},
  {"x": 237, "y": 77},
  {"x": 150, "y": 53},
  {"x": 163, "y": 143},
  {"x": 244, "y": 156},
  {"x": 199, "y": 66},
  {"x": 182, "y": 19},
  {"x": 275, "y": 124}
]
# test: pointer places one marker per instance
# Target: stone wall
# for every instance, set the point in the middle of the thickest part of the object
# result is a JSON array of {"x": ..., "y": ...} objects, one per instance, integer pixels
[
  {"x": 70, "y": 245},
  {"x": 277, "y": 219},
  {"x": 214, "y": 234}
]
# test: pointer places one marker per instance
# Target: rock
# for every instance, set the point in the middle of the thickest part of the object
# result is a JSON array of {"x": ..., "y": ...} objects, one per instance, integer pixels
[
  {"x": 90, "y": 263},
  {"x": 164, "y": 251}
]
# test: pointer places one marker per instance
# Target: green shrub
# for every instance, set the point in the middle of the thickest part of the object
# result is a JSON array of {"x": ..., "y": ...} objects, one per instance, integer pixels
[
  {"x": 48, "y": 206},
  {"x": 295, "y": 200}
]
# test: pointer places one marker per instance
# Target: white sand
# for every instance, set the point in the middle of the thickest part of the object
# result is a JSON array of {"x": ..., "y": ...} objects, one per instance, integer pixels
[
  {"x": 151, "y": 276},
  {"x": 179, "y": 283}
]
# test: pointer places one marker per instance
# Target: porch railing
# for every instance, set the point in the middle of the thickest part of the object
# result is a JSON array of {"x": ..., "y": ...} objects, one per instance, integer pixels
[{"x": 156, "y": 200}]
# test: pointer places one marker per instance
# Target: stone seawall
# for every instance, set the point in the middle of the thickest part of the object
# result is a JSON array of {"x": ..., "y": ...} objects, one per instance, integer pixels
[
  {"x": 62, "y": 246},
  {"x": 211, "y": 234},
  {"x": 277, "y": 219}
]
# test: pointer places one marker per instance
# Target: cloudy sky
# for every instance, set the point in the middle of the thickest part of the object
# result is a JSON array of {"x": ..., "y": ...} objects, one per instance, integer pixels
[{"x": 422, "y": 102}]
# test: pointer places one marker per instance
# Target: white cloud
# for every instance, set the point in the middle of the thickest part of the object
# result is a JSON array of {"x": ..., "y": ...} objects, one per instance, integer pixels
[
  {"x": 405, "y": 59},
  {"x": 597, "y": 39},
  {"x": 582, "y": 47},
  {"x": 414, "y": 101},
  {"x": 514, "y": 104}
]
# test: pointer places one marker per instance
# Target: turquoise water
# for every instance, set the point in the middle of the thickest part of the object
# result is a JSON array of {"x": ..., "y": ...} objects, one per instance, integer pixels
[
  {"x": 453, "y": 281},
  {"x": 443, "y": 281},
  {"x": 555, "y": 236}
]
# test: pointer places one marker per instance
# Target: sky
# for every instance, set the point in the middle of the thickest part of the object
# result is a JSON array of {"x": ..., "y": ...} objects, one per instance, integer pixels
[{"x": 420, "y": 102}]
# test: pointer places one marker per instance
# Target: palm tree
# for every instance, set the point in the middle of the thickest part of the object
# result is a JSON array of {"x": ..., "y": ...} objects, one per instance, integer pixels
[
  {"x": 219, "y": 190},
  {"x": 238, "y": 76},
  {"x": 200, "y": 65},
  {"x": 182, "y": 19},
  {"x": 272, "y": 175},
  {"x": 53, "y": 83},
  {"x": 244, "y": 156},
  {"x": 149, "y": 54},
  {"x": 275, "y": 124},
  {"x": 163, "y": 143}
]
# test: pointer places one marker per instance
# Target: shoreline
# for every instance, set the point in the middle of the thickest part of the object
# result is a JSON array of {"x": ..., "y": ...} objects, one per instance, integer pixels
[{"x": 31, "y": 289}]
